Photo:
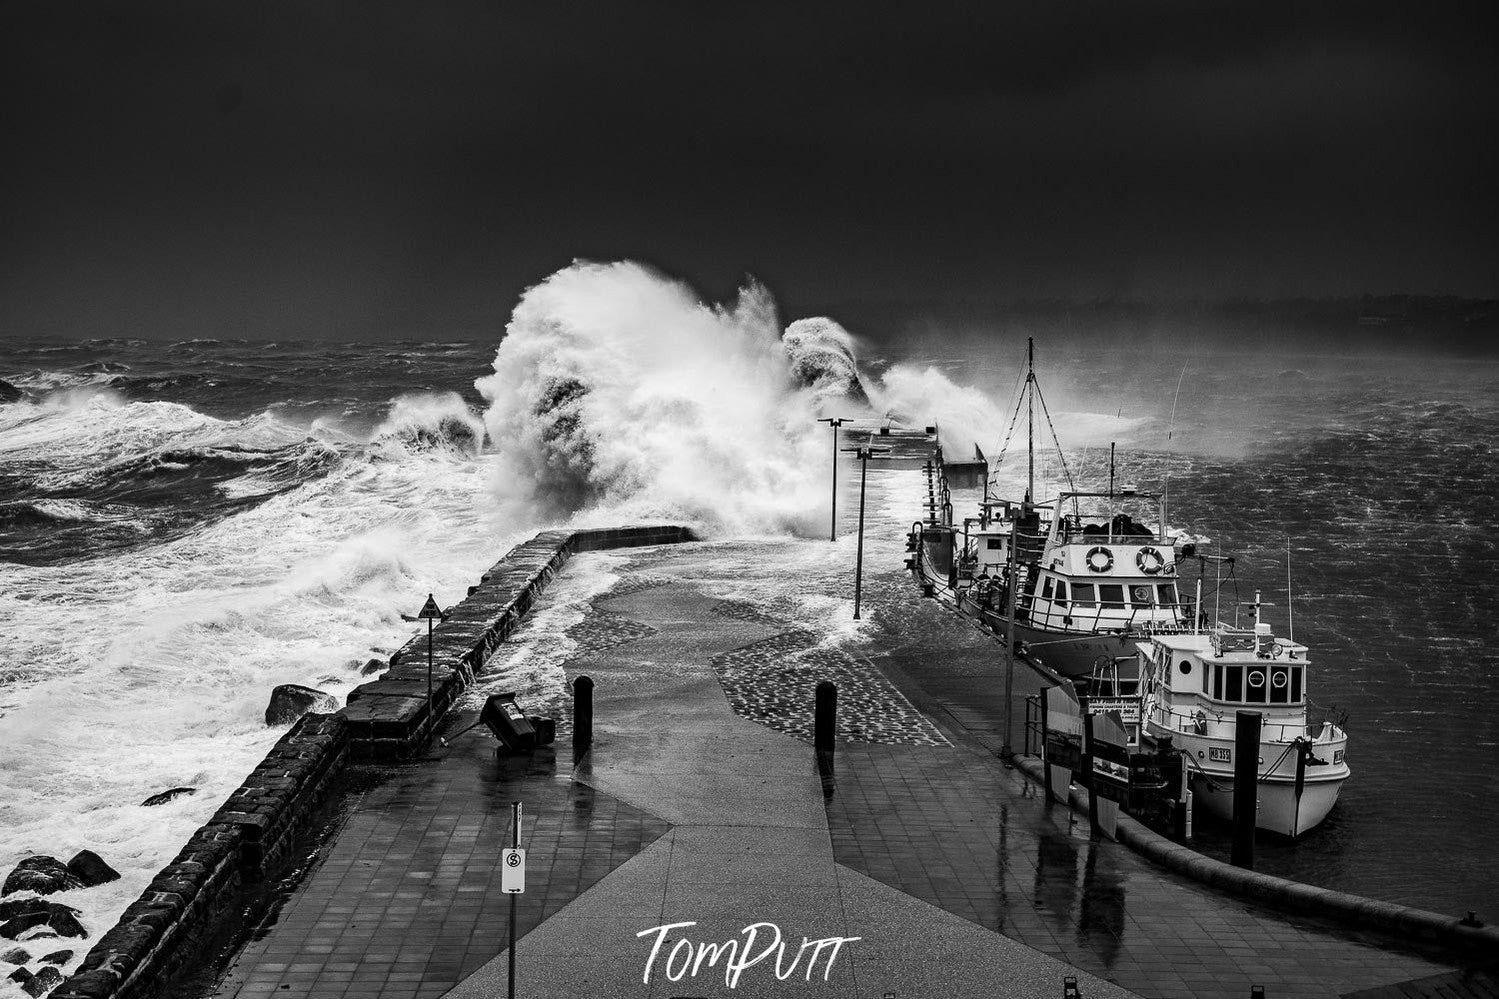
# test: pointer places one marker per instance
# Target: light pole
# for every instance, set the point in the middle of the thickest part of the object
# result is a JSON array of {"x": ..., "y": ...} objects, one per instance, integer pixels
[
  {"x": 864, "y": 454},
  {"x": 835, "y": 422}
]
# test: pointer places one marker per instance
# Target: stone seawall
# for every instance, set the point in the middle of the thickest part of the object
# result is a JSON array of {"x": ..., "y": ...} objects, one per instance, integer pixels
[{"x": 247, "y": 839}]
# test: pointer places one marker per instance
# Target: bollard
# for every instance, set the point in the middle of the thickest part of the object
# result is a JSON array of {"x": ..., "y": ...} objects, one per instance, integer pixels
[
  {"x": 1089, "y": 782},
  {"x": 824, "y": 729},
  {"x": 1256, "y": 992},
  {"x": 1246, "y": 786},
  {"x": 582, "y": 716},
  {"x": 1069, "y": 988},
  {"x": 826, "y": 716}
]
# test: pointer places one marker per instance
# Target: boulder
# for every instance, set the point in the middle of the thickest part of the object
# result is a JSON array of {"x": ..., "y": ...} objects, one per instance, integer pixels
[
  {"x": 37, "y": 917},
  {"x": 9, "y": 393},
  {"x": 372, "y": 667},
  {"x": 16, "y": 955},
  {"x": 20, "y": 976},
  {"x": 88, "y": 867},
  {"x": 42, "y": 982},
  {"x": 57, "y": 957},
  {"x": 291, "y": 701},
  {"x": 41, "y": 874},
  {"x": 162, "y": 797}
]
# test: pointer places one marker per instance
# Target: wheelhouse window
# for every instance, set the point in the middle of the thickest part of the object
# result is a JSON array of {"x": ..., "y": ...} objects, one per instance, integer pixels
[
  {"x": 1168, "y": 594},
  {"x": 1082, "y": 593},
  {"x": 1060, "y": 596},
  {"x": 1111, "y": 595}
]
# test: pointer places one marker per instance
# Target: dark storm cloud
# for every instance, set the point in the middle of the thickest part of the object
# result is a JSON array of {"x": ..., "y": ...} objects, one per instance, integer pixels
[{"x": 359, "y": 168}]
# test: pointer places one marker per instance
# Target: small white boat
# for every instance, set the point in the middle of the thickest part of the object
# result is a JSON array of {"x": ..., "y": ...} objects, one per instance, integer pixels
[{"x": 1196, "y": 683}]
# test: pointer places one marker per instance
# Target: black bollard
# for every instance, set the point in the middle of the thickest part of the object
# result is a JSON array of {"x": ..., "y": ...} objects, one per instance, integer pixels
[
  {"x": 824, "y": 728},
  {"x": 1088, "y": 781},
  {"x": 1069, "y": 988},
  {"x": 826, "y": 716},
  {"x": 582, "y": 716},
  {"x": 1246, "y": 786},
  {"x": 1045, "y": 756}
]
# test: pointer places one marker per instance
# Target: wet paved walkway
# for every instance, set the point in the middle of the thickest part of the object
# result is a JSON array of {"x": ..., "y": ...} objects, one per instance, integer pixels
[{"x": 956, "y": 877}]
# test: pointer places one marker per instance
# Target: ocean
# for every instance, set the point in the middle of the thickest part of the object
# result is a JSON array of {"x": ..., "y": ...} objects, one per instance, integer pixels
[{"x": 185, "y": 525}]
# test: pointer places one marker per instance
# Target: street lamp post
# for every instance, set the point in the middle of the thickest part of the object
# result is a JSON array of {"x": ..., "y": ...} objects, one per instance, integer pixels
[
  {"x": 863, "y": 454},
  {"x": 835, "y": 423}
]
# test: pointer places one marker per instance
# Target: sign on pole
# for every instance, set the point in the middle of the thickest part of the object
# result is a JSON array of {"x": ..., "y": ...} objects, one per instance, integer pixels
[
  {"x": 513, "y": 871},
  {"x": 430, "y": 609}
]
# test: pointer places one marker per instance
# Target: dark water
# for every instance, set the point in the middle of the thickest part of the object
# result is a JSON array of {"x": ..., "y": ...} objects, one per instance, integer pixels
[{"x": 80, "y": 478}]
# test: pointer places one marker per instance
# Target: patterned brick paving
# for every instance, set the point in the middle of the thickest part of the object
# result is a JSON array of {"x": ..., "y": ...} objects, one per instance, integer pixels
[
  {"x": 774, "y": 682},
  {"x": 407, "y": 901}
]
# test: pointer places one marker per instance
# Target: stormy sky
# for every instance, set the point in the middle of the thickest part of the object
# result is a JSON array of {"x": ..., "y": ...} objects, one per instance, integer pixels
[{"x": 368, "y": 169}]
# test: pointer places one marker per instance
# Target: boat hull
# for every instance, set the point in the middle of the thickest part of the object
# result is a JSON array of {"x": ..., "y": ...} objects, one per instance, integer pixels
[{"x": 1277, "y": 810}]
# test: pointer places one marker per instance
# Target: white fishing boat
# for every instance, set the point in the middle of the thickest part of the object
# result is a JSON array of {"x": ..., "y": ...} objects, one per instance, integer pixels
[
  {"x": 1195, "y": 685},
  {"x": 1089, "y": 578}
]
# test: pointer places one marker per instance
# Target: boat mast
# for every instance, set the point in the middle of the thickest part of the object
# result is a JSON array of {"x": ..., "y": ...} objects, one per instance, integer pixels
[{"x": 1030, "y": 418}]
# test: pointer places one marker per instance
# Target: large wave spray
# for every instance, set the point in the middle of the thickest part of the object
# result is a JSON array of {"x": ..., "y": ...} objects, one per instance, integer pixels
[{"x": 619, "y": 395}]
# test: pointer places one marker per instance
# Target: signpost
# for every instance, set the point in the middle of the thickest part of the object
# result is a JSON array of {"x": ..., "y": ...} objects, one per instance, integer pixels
[
  {"x": 431, "y": 612},
  {"x": 513, "y": 880}
]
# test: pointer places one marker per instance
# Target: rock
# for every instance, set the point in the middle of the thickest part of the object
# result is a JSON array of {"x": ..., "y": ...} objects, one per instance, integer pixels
[
  {"x": 57, "y": 957},
  {"x": 291, "y": 701},
  {"x": 21, "y": 977},
  {"x": 42, "y": 982},
  {"x": 9, "y": 393},
  {"x": 88, "y": 867},
  {"x": 162, "y": 797},
  {"x": 16, "y": 955},
  {"x": 372, "y": 667},
  {"x": 19, "y": 907},
  {"x": 37, "y": 917},
  {"x": 43, "y": 875}
]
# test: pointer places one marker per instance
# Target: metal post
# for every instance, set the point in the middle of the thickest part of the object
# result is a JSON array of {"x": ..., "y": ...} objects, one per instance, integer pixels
[
  {"x": 1005, "y": 752},
  {"x": 1045, "y": 737},
  {"x": 835, "y": 423},
  {"x": 428, "y": 740},
  {"x": 859, "y": 558},
  {"x": 1246, "y": 786},
  {"x": 582, "y": 716},
  {"x": 1090, "y": 783},
  {"x": 515, "y": 845}
]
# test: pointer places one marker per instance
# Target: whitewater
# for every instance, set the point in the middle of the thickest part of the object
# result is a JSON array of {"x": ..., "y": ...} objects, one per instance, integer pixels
[{"x": 184, "y": 526}]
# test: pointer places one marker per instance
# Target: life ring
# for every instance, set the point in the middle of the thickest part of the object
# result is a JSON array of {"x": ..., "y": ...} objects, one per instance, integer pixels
[
  {"x": 1278, "y": 678},
  {"x": 1141, "y": 594},
  {"x": 1150, "y": 561},
  {"x": 1100, "y": 559},
  {"x": 1256, "y": 678}
]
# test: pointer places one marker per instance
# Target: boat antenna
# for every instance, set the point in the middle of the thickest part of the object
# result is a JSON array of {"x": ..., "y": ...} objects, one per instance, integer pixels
[
  {"x": 1171, "y": 429},
  {"x": 1290, "y": 619},
  {"x": 1111, "y": 469}
]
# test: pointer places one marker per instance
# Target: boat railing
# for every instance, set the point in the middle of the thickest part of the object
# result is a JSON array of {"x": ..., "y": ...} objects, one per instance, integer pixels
[
  {"x": 1271, "y": 732},
  {"x": 1077, "y": 536},
  {"x": 1086, "y": 615}
]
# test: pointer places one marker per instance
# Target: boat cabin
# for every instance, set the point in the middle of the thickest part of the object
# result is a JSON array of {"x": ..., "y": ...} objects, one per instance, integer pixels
[{"x": 1200, "y": 679}]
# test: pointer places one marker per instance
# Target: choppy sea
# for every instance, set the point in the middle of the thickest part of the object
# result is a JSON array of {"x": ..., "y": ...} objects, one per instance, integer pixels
[{"x": 185, "y": 525}]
